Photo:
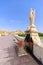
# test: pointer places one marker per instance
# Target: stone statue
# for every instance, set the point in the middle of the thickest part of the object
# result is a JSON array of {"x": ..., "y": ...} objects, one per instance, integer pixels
[{"x": 32, "y": 16}]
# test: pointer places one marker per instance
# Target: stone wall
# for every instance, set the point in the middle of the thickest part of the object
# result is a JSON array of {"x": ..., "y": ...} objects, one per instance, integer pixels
[{"x": 38, "y": 51}]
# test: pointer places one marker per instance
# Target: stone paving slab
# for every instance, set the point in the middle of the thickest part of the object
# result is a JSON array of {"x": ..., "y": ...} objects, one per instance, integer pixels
[
  {"x": 8, "y": 55},
  {"x": 24, "y": 60}
]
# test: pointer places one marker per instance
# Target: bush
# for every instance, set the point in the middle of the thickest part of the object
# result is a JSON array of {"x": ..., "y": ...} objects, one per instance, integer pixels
[
  {"x": 22, "y": 35},
  {"x": 40, "y": 34}
]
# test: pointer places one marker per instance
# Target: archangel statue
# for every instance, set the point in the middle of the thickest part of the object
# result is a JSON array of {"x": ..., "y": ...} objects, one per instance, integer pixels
[{"x": 32, "y": 16}]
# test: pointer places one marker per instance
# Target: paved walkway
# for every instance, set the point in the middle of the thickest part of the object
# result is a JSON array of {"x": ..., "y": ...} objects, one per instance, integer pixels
[
  {"x": 8, "y": 55},
  {"x": 24, "y": 60}
]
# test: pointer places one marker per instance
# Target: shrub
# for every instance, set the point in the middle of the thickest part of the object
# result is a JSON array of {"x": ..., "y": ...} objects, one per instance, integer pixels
[{"x": 22, "y": 35}]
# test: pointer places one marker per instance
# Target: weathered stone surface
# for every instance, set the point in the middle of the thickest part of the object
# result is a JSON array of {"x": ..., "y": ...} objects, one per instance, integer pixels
[{"x": 8, "y": 55}]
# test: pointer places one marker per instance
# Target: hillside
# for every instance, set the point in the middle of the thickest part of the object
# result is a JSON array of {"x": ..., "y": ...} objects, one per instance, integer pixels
[{"x": 2, "y": 32}]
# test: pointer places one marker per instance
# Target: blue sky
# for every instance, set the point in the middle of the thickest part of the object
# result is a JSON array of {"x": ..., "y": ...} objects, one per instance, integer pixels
[{"x": 14, "y": 14}]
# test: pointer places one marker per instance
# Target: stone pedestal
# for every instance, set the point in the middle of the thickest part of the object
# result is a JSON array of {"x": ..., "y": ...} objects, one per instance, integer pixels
[{"x": 33, "y": 33}]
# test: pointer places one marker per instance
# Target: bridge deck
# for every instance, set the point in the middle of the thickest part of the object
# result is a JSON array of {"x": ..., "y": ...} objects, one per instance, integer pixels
[
  {"x": 8, "y": 55},
  {"x": 24, "y": 60}
]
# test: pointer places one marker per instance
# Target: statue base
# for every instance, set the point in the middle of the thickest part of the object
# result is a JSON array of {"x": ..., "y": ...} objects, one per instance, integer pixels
[{"x": 33, "y": 33}]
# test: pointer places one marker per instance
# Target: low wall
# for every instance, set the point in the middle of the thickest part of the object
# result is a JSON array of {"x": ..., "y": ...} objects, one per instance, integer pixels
[{"x": 38, "y": 51}]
